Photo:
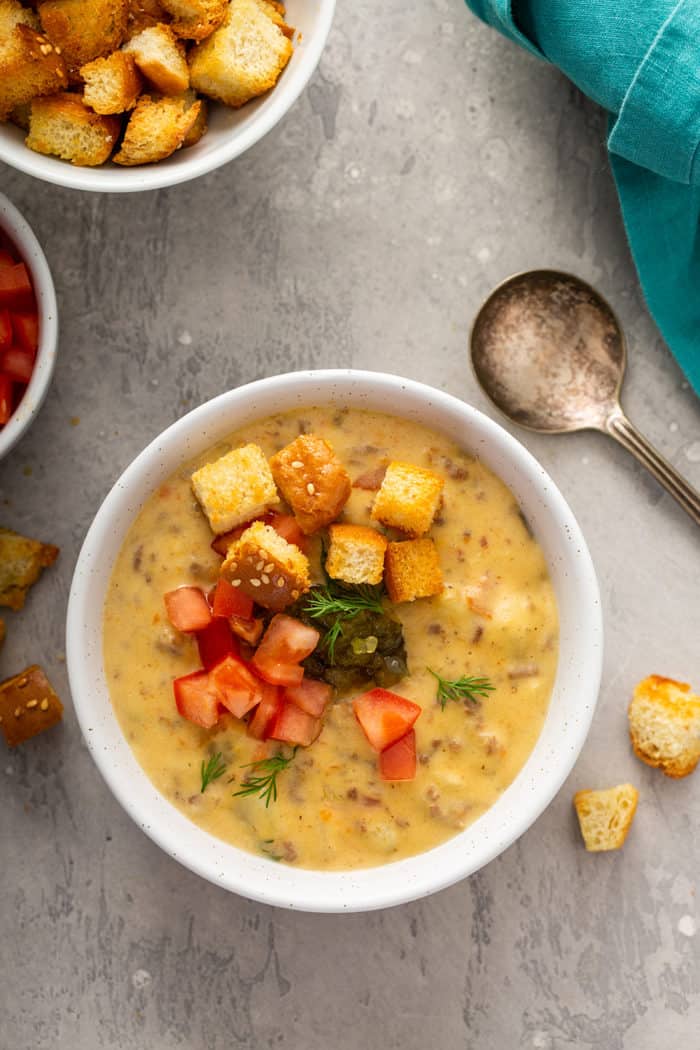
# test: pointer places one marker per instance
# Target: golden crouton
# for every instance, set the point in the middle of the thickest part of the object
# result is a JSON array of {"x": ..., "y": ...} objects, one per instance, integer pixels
[
  {"x": 356, "y": 554},
  {"x": 412, "y": 570},
  {"x": 112, "y": 84},
  {"x": 29, "y": 66},
  {"x": 63, "y": 126},
  {"x": 408, "y": 498},
  {"x": 196, "y": 19},
  {"x": 13, "y": 14},
  {"x": 84, "y": 29},
  {"x": 312, "y": 480},
  {"x": 606, "y": 816},
  {"x": 21, "y": 562},
  {"x": 28, "y": 705},
  {"x": 161, "y": 57},
  {"x": 235, "y": 488},
  {"x": 157, "y": 127},
  {"x": 276, "y": 12},
  {"x": 271, "y": 571},
  {"x": 201, "y": 123},
  {"x": 20, "y": 115},
  {"x": 143, "y": 14},
  {"x": 664, "y": 724},
  {"x": 241, "y": 59}
]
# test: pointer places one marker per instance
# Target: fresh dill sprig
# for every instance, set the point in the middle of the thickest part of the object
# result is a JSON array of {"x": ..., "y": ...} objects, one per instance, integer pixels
[
  {"x": 212, "y": 769},
  {"x": 262, "y": 780},
  {"x": 342, "y": 602},
  {"x": 468, "y": 687}
]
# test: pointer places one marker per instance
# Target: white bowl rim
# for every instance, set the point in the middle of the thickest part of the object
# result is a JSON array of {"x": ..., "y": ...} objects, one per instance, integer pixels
[
  {"x": 261, "y": 879},
  {"x": 21, "y": 234},
  {"x": 112, "y": 179}
]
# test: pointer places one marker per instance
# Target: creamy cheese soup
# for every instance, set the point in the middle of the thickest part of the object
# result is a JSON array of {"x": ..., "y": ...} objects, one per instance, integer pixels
[{"x": 496, "y": 618}]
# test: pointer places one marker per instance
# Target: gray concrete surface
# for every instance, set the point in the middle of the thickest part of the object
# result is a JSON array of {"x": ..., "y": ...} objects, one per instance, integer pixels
[{"x": 427, "y": 160}]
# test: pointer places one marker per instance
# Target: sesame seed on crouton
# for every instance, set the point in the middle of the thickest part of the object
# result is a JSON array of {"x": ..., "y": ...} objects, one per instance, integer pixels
[
  {"x": 271, "y": 571},
  {"x": 62, "y": 126},
  {"x": 157, "y": 127},
  {"x": 412, "y": 570},
  {"x": 196, "y": 19},
  {"x": 161, "y": 57},
  {"x": 112, "y": 84},
  {"x": 84, "y": 29},
  {"x": 356, "y": 554},
  {"x": 605, "y": 816},
  {"x": 408, "y": 499},
  {"x": 235, "y": 488},
  {"x": 241, "y": 59},
  {"x": 312, "y": 480},
  {"x": 664, "y": 725},
  {"x": 29, "y": 65}
]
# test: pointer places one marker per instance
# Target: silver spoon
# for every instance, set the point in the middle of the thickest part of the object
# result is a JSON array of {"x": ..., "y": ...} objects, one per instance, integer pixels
[{"x": 550, "y": 353}]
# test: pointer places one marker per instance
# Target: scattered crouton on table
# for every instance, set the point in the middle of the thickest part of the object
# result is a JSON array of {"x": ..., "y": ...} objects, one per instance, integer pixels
[
  {"x": 28, "y": 705},
  {"x": 606, "y": 816},
  {"x": 21, "y": 564},
  {"x": 312, "y": 480},
  {"x": 664, "y": 725}
]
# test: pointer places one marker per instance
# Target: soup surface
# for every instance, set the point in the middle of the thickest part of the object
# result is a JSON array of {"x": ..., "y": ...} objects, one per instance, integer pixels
[{"x": 497, "y": 617}]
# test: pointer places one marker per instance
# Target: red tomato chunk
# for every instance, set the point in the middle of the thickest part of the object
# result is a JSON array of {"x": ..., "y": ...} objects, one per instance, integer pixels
[
  {"x": 398, "y": 761},
  {"x": 215, "y": 642},
  {"x": 285, "y": 643},
  {"x": 6, "y": 406},
  {"x": 384, "y": 716},
  {"x": 228, "y": 601},
  {"x": 5, "y": 330},
  {"x": 238, "y": 690},
  {"x": 15, "y": 286},
  {"x": 265, "y": 714},
  {"x": 17, "y": 364},
  {"x": 196, "y": 700},
  {"x": 310, "y": 696},
  {"x": 187, "y": 609},
  {"x": 26, "y": 329},
  {"x": 294, "y": 726}
]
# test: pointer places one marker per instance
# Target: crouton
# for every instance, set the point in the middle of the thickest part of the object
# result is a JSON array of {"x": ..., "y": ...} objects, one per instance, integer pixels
[
  {"x": 196, "y": 19},
  {"x": 143, "y": 14},
  {"x": 28, "y": 705},
  {"x": 356, "y": 554},
  {"x": 84, "y": 29},
  {"x": 664, "y": 725},
  {"x": 161, "y": 57},
  {"x": 20, "y": 115},
  {"x": 157, "y": 127},
  {"x": 112, "y": 84},
  {"x": 200, "y": 125},
  {"x": 271, "y": 571},
  {"x": 235, "y": 488},
  {"x": 408, "y": 498},
  {"x": 21, "y": 563},
  {"x": 606, "y": 816},
  {"x": 312, "y": 480},
  {"x": 13, "y": 14},
  {"x": 63, "y": 126},
  {"x": 29, "y": 66},
  {"x": 412, "y": 570},
  {"x": 276, "y": 12},
  {"x": 241, "y": 59}
]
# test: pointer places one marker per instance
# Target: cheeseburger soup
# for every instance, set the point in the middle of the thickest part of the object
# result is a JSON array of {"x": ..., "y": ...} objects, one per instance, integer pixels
[{"x": 343, "y": 770}]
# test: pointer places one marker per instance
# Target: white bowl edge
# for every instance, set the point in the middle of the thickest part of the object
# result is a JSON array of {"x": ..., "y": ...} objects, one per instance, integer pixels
[{"x": 571, "y": 707}]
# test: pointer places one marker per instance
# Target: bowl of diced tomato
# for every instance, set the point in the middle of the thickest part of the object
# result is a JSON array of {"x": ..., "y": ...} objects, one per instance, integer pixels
[{"x": 28, "y": 325}]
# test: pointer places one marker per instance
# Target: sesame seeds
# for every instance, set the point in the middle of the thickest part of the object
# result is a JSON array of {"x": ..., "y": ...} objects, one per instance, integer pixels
[
  {"x": 297, "y": 464},
  {"x": 235, "y": 583},
  {"x": 295, "y": 594},
  {"x": 22, "y": 683},
  {"x": 264, "y": 577},
  {"x": 270, "y": 567},
  {"x": 259, "y": 566},
  {"x": 279, "y": 582},
  {"x": 32, "y": 703},
  {"x": 254, "y": 582},
  {"x": 44, "y": 705},
  {"x": 310, "y": 488},
  {"x": 18, "y": 712}
]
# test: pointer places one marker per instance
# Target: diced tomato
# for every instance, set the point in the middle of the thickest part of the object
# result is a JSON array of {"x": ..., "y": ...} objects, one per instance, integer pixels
[
  {"x": 229, "y": 601},
  {"x": 288, "y": 528},
  {"x": 215, "y": 642},
  {"x": 6, "y": 256},
  {"x": 310, "y": 695},
  {"x": 15, "y": 287},
  {"x": 6, "y": 407},
  {"x": 238, "y": 690},
  {"x": 25, "y": 325},
  {"x": 196, "y": 700},
  {"x": 294, "y": 726},
  {"x": 384, "y": 716},
  {"x": 398, "y": 761},
  {"x": 18, "y": 364},
  {"x": 249, "y": 630},
  {"x": 287, "y": 640},
  {"x": 221, "y": 543},
  {"x": 5, "y": 330},
  {"x": 266, "y": 712},
  {"x": 187, "y": 609},
  {"x": 277, "y": 673}
]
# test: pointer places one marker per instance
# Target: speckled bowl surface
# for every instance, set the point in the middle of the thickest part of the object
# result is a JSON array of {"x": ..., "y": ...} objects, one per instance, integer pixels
[
  {"x": 231, "y": 131},
  {"x": 16, "y": 227},
  {"x": 570, "y": 710}
]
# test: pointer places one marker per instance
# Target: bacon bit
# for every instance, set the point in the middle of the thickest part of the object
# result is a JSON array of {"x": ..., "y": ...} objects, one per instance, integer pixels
[
  {"x": 483, "y": 542},
  {"x": 436, "y": 628},
  {"x": 479, "y": 610},
  {"x": 466, "y": 535},
  {"x": 290, "y": 854},
  {"x": 524, "y": 671},
  {"x": 371, "y": 480},
  {"x": 370, "y": 800},
  {"x": 478, "y": 633},
  {"x": 352, "y": 794}
]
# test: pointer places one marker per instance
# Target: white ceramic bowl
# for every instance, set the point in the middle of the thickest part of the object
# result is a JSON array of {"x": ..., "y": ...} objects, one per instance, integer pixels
[
  {"x": 570, "y": 710},
  {"x": 20, "y": 233},
  {"x": 231, "y": 132}
]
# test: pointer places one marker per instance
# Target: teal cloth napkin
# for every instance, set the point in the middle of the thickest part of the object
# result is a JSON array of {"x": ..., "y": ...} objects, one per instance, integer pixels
[{"x": 641, "y": 62}]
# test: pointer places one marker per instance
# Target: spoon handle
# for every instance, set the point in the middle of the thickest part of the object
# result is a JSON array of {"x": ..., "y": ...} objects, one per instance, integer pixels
[{"x": 620, "y": 428}]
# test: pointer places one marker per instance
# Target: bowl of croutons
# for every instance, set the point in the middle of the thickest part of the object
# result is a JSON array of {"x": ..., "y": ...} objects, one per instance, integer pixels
[{"x": 129, "y": 95}]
